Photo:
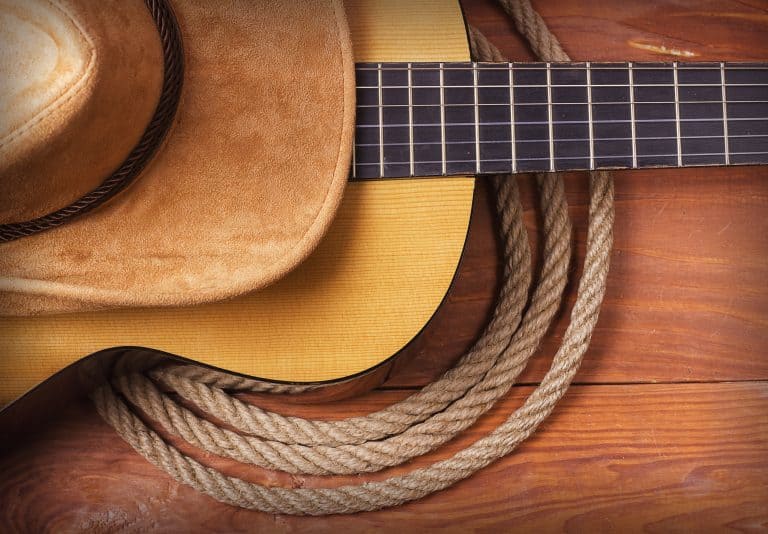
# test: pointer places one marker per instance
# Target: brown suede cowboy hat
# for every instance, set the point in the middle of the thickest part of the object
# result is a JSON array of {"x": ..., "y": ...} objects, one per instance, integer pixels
[{"x": 166, "y": 152}]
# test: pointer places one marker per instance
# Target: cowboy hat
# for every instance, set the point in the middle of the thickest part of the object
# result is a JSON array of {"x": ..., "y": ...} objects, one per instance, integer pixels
[{"x": 166, "y": 152}]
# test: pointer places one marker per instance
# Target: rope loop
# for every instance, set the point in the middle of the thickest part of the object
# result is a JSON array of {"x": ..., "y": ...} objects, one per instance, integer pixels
[{"x": 418, "y": 424}]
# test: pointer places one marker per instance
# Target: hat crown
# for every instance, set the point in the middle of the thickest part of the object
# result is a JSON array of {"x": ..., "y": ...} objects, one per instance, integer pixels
[
  {"x": 79, "y": 81},
  {"x": 45, "y": 56}
]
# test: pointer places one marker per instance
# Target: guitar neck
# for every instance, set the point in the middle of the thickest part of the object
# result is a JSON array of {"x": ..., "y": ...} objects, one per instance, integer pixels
[{"x": 437, "y": 119}]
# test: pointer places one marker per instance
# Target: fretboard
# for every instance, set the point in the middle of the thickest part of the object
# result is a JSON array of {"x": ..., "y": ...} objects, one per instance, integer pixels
[{"x": 432, "y": 119}]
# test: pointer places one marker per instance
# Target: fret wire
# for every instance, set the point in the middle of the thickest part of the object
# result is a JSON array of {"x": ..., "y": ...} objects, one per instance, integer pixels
[
  {"x": 549, "y": 119},
  {"x": 632, "y": 115},
  {"x": 410, "y": 120},
  {"x": 589, "y": 118},
  {"x": 381, "y": 126},
  {"x": 477, "y": 121},
  {"x": 725, "y": 114},
  {"x": 677, "y": 116},
  {"x": 757, "y": 153},
  {"x": 512, "y": 119},
  {"x": 442, "y": 119}
]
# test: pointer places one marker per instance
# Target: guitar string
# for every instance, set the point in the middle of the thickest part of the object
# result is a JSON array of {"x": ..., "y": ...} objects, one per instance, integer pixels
[
  {"x": 611, "y": 103},
  {"x": 611, "y": 121},
  {"x": 566, "y": 67},
  {"x": 577, "y": 158},
  {"x": 568, "y": 140},
  {"x": 477, "y": 125},
  {"x": 563, "y": 85}
]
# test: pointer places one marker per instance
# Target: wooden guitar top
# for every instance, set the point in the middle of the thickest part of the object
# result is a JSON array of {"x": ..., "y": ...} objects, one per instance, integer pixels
[{"x": 371, "y": 286}]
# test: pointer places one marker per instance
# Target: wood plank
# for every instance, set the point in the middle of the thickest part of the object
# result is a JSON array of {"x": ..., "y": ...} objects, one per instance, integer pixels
[
  {"x": 637, "y": 30},
  {"x": 659, "y": 457},
  {"x": 687, "y": 297}
]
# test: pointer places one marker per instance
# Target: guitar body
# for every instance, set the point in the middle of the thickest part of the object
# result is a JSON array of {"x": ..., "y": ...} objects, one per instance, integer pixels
[{"x": 371, "y": 286}]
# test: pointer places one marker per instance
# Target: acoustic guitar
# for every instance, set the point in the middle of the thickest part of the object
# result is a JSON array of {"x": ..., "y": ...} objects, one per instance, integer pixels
[{"x": 428, "y": 121}]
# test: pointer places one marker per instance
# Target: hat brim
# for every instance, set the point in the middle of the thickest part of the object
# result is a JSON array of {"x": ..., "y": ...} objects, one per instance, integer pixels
[{"x": 244, "y": 187}]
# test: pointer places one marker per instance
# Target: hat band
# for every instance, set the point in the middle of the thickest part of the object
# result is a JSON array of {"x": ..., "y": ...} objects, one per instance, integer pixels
[{"x": 173, "y": 76}]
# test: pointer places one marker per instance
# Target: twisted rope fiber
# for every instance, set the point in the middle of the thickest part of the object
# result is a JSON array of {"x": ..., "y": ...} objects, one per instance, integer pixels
[
  {"x": 423, "y": 421},
  {"x": 333, "y": 450},
  {"x": 173, "y": 75},
  {"x": 477, "y": 362}
]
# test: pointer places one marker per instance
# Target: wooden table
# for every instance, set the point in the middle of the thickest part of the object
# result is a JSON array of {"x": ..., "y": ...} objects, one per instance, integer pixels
[{"x": 666, "y": 427}]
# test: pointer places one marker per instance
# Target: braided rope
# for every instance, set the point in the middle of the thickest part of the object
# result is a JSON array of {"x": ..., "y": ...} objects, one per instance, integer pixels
[
  {"x": 173, "y": 75},
  {"x": 417, "y": 424},
  {"x": 529, "y": 23}
]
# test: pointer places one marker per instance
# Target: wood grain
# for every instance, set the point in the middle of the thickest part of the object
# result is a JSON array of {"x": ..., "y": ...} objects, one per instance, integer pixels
[
  {"x": 670, "y": 457},
  {"x": 687, "y": 306},
  {"x": 406, "y": 30},
  {"x": 687, "y": 297}
]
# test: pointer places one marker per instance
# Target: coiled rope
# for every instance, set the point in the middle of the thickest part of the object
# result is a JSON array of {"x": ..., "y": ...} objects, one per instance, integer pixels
[{"x": 416, "y": 425}]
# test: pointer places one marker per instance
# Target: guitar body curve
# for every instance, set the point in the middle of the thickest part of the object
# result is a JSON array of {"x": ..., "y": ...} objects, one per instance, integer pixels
[{"x": 371, "y": 286}]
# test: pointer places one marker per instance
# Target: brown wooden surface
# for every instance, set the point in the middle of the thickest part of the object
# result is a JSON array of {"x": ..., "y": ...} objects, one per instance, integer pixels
[{"x": 667, "y": 427}]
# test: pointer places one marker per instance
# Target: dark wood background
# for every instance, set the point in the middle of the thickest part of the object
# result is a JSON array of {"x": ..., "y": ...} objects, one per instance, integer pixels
[{"x": 666, "y": 427}]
